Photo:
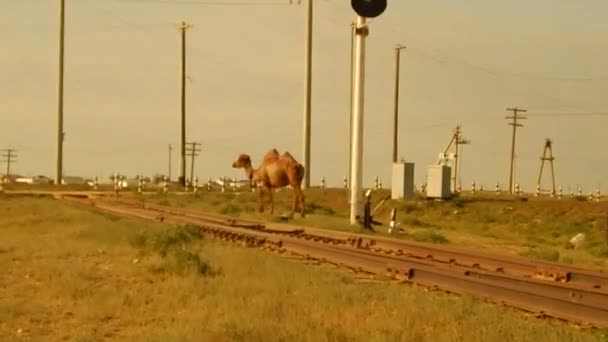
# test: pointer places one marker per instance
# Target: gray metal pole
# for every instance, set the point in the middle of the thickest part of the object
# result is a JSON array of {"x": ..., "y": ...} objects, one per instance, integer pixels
[
  {"x": 358, "y": 115},
  {"x": 307, "y": 101},
  {"x": 59, "y": 170}
]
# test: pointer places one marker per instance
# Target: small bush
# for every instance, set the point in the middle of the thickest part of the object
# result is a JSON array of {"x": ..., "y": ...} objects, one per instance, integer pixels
[
  {"x": 172, "y": 245},
  {"x": 408, "y": 207},
  {"x": 599, "y": 251},
  {"x": 542, "y": 254},
  {"x": 487, "y": 218},
  {"x": 230, "y": 209},
  {"x": 181, "y": 262},
  {"x": 416, "y": 222},
  {"x": 430, "y": 236},
  {"x": 318, "y": 209},
  {"x": 180, "y": 235},
  {"x": 458, "y": 202},
  {"x": 567, "y": 260}
]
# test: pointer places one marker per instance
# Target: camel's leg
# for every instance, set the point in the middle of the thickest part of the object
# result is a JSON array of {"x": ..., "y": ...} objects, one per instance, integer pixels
[
  {"x": 301, "y": 195},
  {"x": 270, "y": 191},
  {"x": 298, "y": 197},
  {"x": 261, "y": 199}
]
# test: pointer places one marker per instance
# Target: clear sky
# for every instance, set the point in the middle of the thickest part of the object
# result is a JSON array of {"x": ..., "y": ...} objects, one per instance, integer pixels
[{"x": 465, "y": 63}]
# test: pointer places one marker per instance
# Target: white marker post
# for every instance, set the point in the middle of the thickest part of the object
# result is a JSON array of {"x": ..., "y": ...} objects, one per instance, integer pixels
[{"x": 356, "y": 176}]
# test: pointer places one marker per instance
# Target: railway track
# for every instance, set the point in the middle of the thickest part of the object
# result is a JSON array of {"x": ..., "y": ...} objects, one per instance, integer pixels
[
  {"x": 575, "y": 295},
  {"x": 536, "y": 269}
]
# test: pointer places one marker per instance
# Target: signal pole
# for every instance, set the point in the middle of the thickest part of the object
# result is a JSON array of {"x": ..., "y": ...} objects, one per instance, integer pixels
[
  {"x": 356, "y": 176},
  {"x": 60, "y": 133},
  {"x": 307, "y": 100},
  {"x": 192, "y": 152},
  {"x": 182, "y": 178},
  {"x": 398, "y": 49},
  {"x": 9, "y": 156},
  {"x": 515, "y": 117},
  {"x": 364, "y": 9}
]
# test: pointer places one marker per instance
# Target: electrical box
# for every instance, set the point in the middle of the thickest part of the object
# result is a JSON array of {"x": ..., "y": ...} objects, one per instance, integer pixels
[
  {"x": 438, "y": 182},
  {"x": 402, "y": 181}
]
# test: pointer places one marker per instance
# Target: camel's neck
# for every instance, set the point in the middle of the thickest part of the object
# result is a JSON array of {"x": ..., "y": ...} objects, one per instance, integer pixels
[{"x": 249, "y": 171}]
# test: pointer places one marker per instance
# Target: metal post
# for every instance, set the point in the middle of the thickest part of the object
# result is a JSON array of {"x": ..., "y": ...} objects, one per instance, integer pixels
[
  {"x": 182, "y": 179},
  {"x": 307, "y": 101},
  {"x": 59, "y": 170},
  {"x": 398, "y": 49},
  {"x": 356, "y": 177},
  {"x": 353, "y": 26}
]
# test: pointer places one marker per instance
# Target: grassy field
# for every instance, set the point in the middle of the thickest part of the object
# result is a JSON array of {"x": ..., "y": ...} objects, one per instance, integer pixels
[
  {"x": 537, "y": 228},
  {"x": 73, "y": 274}
]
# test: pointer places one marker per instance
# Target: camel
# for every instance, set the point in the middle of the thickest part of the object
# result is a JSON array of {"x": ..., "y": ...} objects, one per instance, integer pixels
[{"x": 275, "y": 171}]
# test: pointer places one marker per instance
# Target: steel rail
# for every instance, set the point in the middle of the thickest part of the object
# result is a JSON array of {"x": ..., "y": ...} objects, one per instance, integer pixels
[{"x": 537, "y": 269}]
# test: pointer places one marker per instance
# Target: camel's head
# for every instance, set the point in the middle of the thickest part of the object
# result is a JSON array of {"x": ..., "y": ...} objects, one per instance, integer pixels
[{"x": 242, "y": 162}]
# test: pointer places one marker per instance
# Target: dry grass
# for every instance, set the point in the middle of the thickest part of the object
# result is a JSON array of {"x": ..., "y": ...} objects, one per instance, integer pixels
[{"x": 72, "y": 274}]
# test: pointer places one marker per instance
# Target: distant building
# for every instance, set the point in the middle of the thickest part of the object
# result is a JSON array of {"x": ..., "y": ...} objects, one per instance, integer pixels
[{"x": 73, "y": 180}]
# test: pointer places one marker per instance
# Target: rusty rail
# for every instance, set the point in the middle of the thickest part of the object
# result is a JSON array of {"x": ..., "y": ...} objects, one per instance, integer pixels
[{"x": 537, "y": 269}]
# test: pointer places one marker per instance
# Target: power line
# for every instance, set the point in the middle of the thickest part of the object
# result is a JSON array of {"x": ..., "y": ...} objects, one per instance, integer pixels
[
  {"x": 445, "y": 58},
  {"x": 213, "y": 3},
  {"x": 571, "y": 114}
]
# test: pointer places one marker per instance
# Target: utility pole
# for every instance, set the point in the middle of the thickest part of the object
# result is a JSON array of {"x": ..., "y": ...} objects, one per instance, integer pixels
[
  {"x": 353, "y": 26},
  {"x": 356, "y": 176},
  {"x": 515, "y": 117},
  {"x": 169, "y": 169},
  {"x": 456, "y": 140},
  {"x": 9, "y": 156},
  {"x": 60, "y": 133},
  {"x": 307, "y": 99},
  {"x": 398, "y": 49},
  {"x": 182, "y": 178},
  {"x": 192, "y": 152},
  {"x": 550, "y": 159}
]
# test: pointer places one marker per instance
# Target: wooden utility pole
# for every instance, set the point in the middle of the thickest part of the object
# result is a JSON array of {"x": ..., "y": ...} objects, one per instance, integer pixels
[
  {"x": 60, "y": 133},
  {"x": 515, "y": 117},
  {"x": 192, "y": 152},
  {"x": 169, "y": 168},
  {"x": 456, "y": 140},
  {"x": 398, "y": 49},
  {"x": 307, "y": 97},
  {"x": 9, "y": 156},
  {"x": 182, "y": 178},
  {"x": 550, "y": 159}
]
